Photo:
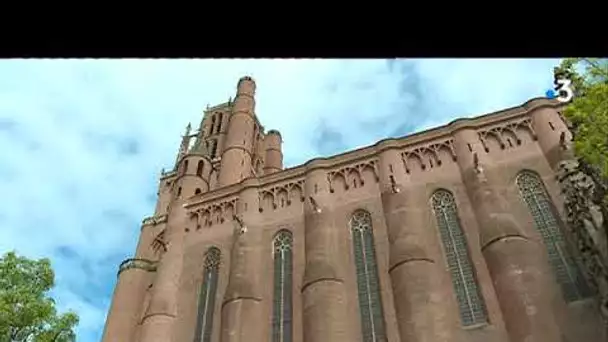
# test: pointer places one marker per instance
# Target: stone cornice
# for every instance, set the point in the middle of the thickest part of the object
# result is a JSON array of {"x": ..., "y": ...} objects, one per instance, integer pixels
[
  {"x": 427, "y": 136},
  {"x": 142, "y": 264},
  {"x": 154, "y": 220}
]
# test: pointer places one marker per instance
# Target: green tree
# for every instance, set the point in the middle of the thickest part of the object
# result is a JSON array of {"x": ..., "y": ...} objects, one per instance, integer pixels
[
  {"x": 27, "y": 313},
  {"x": 587, "y": 114}
]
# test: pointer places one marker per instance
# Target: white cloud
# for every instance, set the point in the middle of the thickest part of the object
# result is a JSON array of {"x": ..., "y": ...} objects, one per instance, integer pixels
[{"x": 71, "y": 190}]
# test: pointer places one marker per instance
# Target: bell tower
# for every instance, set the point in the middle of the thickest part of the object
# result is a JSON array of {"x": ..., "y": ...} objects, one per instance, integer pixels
[{"x": 239, "y": 145}]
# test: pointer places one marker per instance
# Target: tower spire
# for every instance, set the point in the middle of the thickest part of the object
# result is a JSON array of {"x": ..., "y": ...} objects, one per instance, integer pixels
[
  {"x": 238, "y": 147},
  {"x": 183, "y": 147}
]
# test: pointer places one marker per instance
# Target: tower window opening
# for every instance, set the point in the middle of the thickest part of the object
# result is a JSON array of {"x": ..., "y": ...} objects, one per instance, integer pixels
[
  {"x": 199, "y": 168},
  {"x": 212, "y": 127},
  {"x": 219, "y": 123},
  {"x": 185, "y": 169},
  {"x": 213, "y": 148},
  {"x": 197, "y": 191},
  {"x": 179, "y": 191}
]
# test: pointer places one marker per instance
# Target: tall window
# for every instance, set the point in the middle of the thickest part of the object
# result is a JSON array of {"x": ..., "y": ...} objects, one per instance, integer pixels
[
  {"x": 212, "y": 127},
  {"x": 219, "y": 122},
  {"x": 546, "y": 221},
  {"x": 185, "y": 168},
  {"x": 368, "y": 284},
  {"x": 206, "y": 302},
  {"x": 282, "y": 308},
  {"x": 213, "y": 148},
  {"x": 199, "y": 168},
  {"x": 470, "y": 303}
]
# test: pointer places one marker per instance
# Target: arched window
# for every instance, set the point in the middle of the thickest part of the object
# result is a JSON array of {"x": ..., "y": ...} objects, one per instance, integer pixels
[
  {"x": 219, "y": 122},
  {"x": 206, "y": 301},
  {"x": 368, "y": 284},
  {"x": 537, "y": 200},
  {"x": 212, "y": 127},
  {"x": 185, "y": 169},
  {"x": 197, "y": 191},
  {"x": 199, "y": 168},
  {"x": 213, "y": 148},
  {"x": 282, "y": 303},
  {"x": 470, "y": 303}
]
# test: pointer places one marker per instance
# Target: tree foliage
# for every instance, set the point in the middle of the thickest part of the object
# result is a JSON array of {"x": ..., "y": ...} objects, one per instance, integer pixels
[
  {"x": 588, "y": 111},
  {"x": 27, "y": 313}
]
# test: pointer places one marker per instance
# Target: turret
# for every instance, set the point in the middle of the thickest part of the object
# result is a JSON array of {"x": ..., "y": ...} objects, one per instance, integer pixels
[
  {"x": 324, "y": 293},
  {"x": 551, "y": 131},
  {"x": 424, "y": 312},
  {"x": 193, "y": 171},
  {"x": 242, "y": 302},
  {"x": 273, "y": 160},
  {"x": 517, "y": 264},
  {"x": 183, "y": 146},
  {"x": 238, "y": 146},
  {"x": 158, "y": 322}
]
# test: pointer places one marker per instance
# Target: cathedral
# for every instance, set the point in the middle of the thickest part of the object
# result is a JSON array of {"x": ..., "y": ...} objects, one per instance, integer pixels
[{"x": 454, "y": 234}]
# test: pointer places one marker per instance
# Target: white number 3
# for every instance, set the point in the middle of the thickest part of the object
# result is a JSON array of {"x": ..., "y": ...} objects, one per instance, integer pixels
[{"x": 565, "y": 93}]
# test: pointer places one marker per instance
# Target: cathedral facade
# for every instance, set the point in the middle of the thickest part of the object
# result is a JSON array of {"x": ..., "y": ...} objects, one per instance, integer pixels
[{"x": 454, "y": 234}]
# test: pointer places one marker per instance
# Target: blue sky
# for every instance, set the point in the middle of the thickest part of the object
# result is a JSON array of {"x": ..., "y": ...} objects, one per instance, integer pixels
[{"x": 82, "y": 142}]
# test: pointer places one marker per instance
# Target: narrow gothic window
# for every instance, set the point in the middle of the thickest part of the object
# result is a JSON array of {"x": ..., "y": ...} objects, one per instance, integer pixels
[
  {"x": 546, "y": 221},
  {"x": 206, "y": 301},
  {"x": 368, "y": 284},
  {"x": 185, "y": 169},
  {"x": 199, "y": 168},
  {"x": 219, "y": 123},
  {"x": 282, "y": 309},
  {"x": 212, "y": 127},
  {"x": 213, "y": 148},
  {"x": 470, "y": 303}
]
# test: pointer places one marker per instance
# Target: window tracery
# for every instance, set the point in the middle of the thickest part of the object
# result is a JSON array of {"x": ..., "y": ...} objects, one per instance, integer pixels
[
  {"x": 206, "y": 304},
  {"x": 368, "y": 283},
  {"x": 566, "y": 272},
  {"x": 470, "y": 303},
  {"x": 282, "y": 303}
]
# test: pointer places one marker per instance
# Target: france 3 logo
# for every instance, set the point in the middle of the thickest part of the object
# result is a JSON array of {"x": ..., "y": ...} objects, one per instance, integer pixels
[{"x": 563, "y": 89}]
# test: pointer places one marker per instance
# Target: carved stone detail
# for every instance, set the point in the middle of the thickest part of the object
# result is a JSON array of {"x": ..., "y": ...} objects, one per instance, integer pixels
[
  {"x": 215, "y": 213},
  {"x": 159, "y": 243},
  {"x": 142, "y": 264},
  {"x": 154, "y": 220},
  {"x": 506, "y": 134},
  {"x": 428, "y": 155},
  {"x": 587, "y": 224},
  {"x": 353, "y": 173},
  {"x": 281, "y": 196}
]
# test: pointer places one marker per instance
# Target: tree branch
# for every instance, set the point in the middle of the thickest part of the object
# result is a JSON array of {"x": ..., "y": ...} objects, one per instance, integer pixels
[
  {"x": 594, "y": 65},
  {"x": 58, "y": 334}
]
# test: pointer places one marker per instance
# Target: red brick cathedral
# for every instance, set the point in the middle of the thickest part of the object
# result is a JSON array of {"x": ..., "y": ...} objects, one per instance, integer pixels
[{"x": 449, "y": 235}]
